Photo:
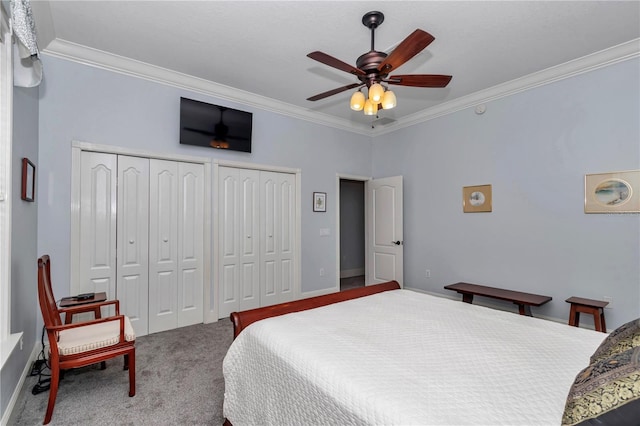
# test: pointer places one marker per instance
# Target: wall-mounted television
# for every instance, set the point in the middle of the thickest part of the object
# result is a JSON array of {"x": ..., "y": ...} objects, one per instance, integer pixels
[{"x": 214, "y": 126}]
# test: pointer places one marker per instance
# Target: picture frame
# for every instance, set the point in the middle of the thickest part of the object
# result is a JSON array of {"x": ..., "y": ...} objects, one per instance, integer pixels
[
  {"x": 28, "y": 180},
  {"x": 612, "y": 192},
  {"x": 476, "y": 199},
  {"x": 319, "y": 201}
]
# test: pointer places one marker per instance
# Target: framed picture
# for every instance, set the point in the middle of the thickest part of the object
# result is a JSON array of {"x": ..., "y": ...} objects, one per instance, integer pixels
[
  {"x": 319, "y": 201},
  {"x": 28, "y": 180},
  {"x": 614, "y": 192},
  {"x": 476, "y": 199}
]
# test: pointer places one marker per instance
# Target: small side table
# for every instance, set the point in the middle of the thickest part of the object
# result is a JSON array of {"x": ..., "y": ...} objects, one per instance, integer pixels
[
  {"x": 72, "y": 302},
  {"x": 587, "y": 306}
]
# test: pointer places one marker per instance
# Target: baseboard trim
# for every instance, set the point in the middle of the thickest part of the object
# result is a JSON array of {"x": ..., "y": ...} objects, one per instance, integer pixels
[
  {"x": 348, "y": 273},
  {"x": 16, "y": 392}
]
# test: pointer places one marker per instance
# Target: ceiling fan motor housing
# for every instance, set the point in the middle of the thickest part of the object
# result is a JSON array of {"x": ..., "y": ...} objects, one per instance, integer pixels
[{"x": 369, "y": 63}]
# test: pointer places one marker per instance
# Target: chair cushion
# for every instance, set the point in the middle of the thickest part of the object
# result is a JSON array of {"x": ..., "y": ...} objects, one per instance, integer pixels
[{"x": 94, "y": 336}]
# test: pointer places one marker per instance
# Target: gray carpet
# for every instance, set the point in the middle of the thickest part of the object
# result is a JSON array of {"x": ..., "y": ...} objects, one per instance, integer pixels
[{"x": 178, "y": 382}]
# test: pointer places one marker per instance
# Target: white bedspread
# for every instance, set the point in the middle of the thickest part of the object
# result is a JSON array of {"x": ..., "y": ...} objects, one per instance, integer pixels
[{"x": 402, "y": 357}]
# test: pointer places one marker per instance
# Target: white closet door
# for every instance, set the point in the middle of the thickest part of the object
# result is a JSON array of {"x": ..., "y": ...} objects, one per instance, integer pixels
[
  {"x": 163, "y": 245},
  {"x": 133, "y": 241},
  {"x": 98, "y": 174},
  {"x": 190, "y": 243},
  {"x": 277, "y": 230},
  {"x": 238, "y": 240}
]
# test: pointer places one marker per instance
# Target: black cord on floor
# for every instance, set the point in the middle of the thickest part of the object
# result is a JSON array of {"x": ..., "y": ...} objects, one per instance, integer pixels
[{"x": 41, "y": 363}]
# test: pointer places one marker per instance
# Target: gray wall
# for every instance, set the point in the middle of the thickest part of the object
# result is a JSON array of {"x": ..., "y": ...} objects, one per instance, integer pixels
[
  {"x": 351, "y": 225},
  {"x": 534, "y": 148},
  {"x": 79, "y": 102},
  {"x": 24, "y": 308}
]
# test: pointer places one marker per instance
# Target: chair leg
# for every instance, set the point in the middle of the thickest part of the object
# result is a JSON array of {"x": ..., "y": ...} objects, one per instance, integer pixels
[
  {"x": 126, "y": 362},
  {"x": 132, "y": 372},
  {"x": 103, "y": 365},
  {"x": 53, "y": 392}
]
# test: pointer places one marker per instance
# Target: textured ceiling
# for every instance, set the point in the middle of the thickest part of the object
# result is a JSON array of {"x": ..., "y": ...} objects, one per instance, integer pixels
[{"x": 260, "y": 47}]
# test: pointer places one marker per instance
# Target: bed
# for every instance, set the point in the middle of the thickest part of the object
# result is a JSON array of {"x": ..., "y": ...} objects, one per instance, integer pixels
[{"x": 400, "y": 357}]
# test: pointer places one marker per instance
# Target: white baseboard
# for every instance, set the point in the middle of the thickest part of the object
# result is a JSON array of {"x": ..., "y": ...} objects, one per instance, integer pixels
[
  {"x": 16, "y": 392},
  {"x": 347, "y": 273}
]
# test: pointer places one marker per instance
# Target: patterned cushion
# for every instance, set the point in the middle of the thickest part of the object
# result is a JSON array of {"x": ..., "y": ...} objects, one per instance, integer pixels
[
  {"x": 623, "y": 338},
  {"x": 82, "y": 339},
  {"x": 607, "y": 392}
]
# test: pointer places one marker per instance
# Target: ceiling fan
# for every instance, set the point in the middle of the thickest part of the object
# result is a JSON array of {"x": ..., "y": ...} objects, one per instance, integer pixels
[{"x": 373, "y": 68}]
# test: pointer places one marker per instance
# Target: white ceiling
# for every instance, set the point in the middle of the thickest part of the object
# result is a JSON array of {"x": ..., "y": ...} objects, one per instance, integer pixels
[{"x": 260, "y": 47}]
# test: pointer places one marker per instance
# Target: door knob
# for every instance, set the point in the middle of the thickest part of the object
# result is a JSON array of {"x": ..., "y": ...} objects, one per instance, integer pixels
[{"x": 397, "y": 242}]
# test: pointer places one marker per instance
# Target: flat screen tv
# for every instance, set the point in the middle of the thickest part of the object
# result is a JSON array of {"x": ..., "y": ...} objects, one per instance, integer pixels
[{"x": 214, "y": 126}]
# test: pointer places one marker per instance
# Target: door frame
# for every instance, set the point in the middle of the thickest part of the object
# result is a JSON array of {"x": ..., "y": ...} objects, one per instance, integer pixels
[
  {"x": 339, "y": 177},
  {"x": 76, "y": 150},
  {"x": 212, "y": 313}
]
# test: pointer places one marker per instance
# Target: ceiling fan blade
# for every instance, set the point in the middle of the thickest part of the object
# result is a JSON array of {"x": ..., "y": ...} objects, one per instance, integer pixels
[
  {"x": 334, "y": 91},
  {"x": 335, "y": 63},
  {"x": 407, "y": 49},
  {"x": 420, "y": 80}
]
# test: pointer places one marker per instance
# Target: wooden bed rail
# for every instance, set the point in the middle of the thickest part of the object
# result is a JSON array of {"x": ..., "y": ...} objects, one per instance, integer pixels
[{"x": 241, "y": 320}]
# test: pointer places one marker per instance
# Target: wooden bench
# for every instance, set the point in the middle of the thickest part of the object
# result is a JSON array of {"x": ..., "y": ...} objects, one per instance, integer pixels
[{"x": 523, "y": 300}]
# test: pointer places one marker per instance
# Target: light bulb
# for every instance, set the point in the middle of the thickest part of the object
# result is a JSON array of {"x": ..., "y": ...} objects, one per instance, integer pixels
[
  {"x": 370, "y": 108},
  {"x": 376, "y": 91},
  {"x": 389, "y": 100},
  {"x": 357, "y": 101}
]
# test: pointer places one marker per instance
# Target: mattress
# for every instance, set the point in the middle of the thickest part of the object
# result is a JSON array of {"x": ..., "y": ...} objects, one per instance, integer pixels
[{"x": 403, "y": 357}]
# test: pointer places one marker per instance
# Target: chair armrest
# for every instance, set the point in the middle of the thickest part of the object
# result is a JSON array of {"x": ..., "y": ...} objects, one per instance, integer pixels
[
  {"x": 90, "y": 307},
  {"x": 120, "y": 318}
]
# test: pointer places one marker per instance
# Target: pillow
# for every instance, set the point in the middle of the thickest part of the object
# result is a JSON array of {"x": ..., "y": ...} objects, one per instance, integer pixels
[
  {"x": 606, "y": 392},
  {"x": 623, "y": 338}
]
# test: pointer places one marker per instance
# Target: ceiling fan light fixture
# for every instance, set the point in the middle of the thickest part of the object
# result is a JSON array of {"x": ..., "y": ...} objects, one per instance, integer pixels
[
  {"x": 357, "y": 101},
  {"x": 376, "y": 92},
  {"x": 370, "y": 108},
  {"x": 389, "y": 100}
]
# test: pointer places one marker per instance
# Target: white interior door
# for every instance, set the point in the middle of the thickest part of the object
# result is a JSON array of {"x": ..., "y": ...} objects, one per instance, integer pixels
[
  {"x": 238, "y": 240},
  {"x": 163, "y": 245},
  {"x": 133, "y": 241},
  {"x": 98, "y": 210},
  {"x": 384, "y": 236},
  {"x": 190, "y": 244},
  {"x": 277, "y": 231}
]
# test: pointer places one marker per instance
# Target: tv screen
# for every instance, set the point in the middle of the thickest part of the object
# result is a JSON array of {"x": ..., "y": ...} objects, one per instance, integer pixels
[{"x": 214, "y": 126}]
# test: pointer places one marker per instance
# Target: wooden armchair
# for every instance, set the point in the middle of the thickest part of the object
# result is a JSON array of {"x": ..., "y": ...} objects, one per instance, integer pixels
[{"x": 83, "y": 343}]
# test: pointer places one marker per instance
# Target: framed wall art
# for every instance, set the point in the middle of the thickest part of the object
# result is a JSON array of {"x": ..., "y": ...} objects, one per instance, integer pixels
[
  {"x": 319, "y": 201},
  {"x": 476, "y": 199},
  {"x": 28, "y": 180},
  {"x": 614, "y": 192}
]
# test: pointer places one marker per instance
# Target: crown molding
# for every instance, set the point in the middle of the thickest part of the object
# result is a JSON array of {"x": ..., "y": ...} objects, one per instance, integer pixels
[
  {"x": 93, "y": 57},
  {"x": 594, "y": 61},
  {"x": 100, "y": 59}
]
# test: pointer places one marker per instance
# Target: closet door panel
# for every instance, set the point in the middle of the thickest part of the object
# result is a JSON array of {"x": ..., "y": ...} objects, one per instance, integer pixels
[
  {"x": 228, "y": 188},
  {"x": 286, "y": 242},
  {"x": 98, "y": 204},
  {"x": 190, "y": 244},
  {"x": 269, "y": 234},
  {"x": 248, "y": 235},
  {"x": 163, "y": 245},
  {"x": 133, "y": 241}
]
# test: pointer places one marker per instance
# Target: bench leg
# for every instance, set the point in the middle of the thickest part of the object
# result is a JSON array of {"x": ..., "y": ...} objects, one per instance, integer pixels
[
  {"x": 524, "y": 310},
  {"x": 604, "y": 325},
  {"x": 574, "y": 316},
  {"x": 467, "y": 298}
]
